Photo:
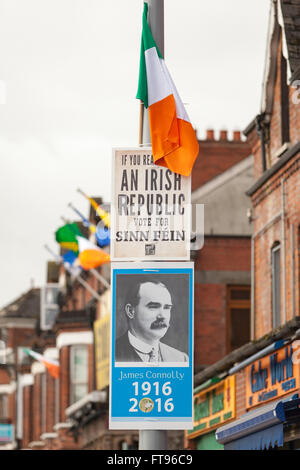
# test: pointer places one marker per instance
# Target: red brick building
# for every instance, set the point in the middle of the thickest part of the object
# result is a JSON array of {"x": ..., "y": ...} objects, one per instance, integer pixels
[
  {"x": 222, "y": 281},
  {"x": 262, "y": 377},
  {"x": 71, "y": 412},
  {"x": 19, "y": 322}
]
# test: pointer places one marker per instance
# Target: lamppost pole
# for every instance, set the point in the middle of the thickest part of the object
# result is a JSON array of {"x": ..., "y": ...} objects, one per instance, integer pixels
[{"x": 153, "y": 439}]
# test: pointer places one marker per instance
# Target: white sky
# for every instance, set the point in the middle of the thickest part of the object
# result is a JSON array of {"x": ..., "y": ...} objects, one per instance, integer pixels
[{"x": 69, "y": 70}]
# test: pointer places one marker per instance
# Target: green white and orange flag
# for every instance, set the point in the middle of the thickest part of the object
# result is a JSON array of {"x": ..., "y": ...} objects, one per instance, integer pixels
[
  {"x": 90, "y": 255},
  {"x": 51, "y": 365},
  {"x": 173, "y": 139}
]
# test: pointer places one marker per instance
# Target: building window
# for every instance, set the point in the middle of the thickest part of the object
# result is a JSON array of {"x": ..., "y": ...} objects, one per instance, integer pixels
[
  {"x": 3, "y": 406},
  {"x": 123, "y": 445},
  {"x": 56, "y": 400},
  {"x": 238, "y": 316},
  {"x": 276, "y": 284},
  {"x": 79, "y": 372}
]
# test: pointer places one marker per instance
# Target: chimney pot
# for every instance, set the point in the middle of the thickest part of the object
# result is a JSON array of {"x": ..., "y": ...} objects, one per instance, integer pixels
[
  {"x": 223, "y": 135},
  {"x": 236, "y": 136},
  {"x": 210, "y": 134}
]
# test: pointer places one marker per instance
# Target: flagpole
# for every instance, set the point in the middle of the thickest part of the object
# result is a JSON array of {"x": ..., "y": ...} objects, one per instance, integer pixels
[
  {"x": 100, "y": 278},
  {"x": 104, "y": 216},
  {"x": 93, "y": 271},
  {"x": 78, "y": 278},
  {"x": 150, "y": 439},
  {"x": 84, "y": 220},
  {"x": 82, "y": 193},
  {"x": 66, "y": 221},
  {"x": 141, "y": 123}
]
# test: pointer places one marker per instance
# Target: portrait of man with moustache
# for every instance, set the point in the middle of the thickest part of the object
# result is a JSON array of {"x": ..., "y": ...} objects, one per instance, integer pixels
[{"x": 147, "y": 308}]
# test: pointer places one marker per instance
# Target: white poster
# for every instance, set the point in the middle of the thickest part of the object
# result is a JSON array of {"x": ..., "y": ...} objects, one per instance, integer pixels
[{"x": 150, "y": 213}]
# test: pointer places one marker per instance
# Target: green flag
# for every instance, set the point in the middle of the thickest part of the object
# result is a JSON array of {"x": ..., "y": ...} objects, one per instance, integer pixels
[{"x": 66, "y": 236}]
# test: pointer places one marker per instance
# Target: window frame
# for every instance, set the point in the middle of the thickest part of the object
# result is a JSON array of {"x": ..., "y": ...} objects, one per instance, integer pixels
[
  {"x": 237, "y": 304},
  {"x": 73, "y": 383},
  {"x": 4, "y": 405}
]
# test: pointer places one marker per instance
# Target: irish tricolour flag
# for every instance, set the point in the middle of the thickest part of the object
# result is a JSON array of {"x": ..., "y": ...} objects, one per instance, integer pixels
[
  {"x": 51, "y": 365},
  {"x": 173, "y": 139},
  {"x": 90, "y": 255}
]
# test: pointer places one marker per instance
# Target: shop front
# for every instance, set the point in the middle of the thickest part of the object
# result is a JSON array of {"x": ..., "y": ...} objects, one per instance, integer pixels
[
  {"x": 272, "y": 403},
  {"x": 7, "y": 436},
  {"x": 214, "y": 404}
]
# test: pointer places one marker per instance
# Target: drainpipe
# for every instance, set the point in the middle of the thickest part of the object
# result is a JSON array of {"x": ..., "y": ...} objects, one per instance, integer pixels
[
  {"x": 259, "y": 121},
  {"x": 252, "y": 326},
  {"x": 293, "y": 269}
]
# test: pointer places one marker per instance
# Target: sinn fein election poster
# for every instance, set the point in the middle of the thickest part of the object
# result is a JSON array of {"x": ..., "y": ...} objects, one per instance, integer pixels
[
  {"x": 150, "y": 211},
  {"x": 151, "y": 376}
]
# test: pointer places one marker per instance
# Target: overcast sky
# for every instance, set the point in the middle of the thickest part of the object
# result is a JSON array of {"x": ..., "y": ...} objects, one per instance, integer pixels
[{"x": 68, "y": 79}]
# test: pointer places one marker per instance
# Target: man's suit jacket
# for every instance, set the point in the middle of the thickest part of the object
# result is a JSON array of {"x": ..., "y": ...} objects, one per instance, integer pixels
[{"x": 124, "y": 352}]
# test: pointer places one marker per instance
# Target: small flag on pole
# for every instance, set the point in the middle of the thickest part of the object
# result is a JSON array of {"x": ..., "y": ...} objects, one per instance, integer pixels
[
  {"x": 90, "y": 255},
  {"x": 173, "y": 139},
  {"x": 104, "y": 216},
  {"x": 51, "y": 365},
  {"x": 69, "y": 261},
  {"x": 66, "y": 236},
  {"x": 102, "y": 234}
]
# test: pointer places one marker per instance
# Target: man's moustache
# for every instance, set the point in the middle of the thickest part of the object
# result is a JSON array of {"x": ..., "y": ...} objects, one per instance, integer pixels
[{"x": 158, "y": 324}]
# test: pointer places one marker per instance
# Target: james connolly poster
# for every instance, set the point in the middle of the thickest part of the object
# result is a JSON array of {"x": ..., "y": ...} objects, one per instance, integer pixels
[{"x": 151, "y": 385}]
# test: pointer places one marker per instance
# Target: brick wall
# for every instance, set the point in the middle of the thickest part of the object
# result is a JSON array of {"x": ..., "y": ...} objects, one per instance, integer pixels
[
  {"x": 275, "y": 124},
  {"x": 210, "y": 324},
  {"x": 294, "y": 114},
  {"x": 294, "y": 100},
  {"x": 210, "y": 298},
  {"x": 37, "y": 407},
  {"x": 216, "y": 156},
  {"x": 4, "y": 377},
  {"x": 267, "y": 203},
  {"x": 12, "y": 407},
  {"x": 28, "y": 413},
  {"x": 19, "y": 336},
  {"x": 50, "y": 403},
  {"x": 80, "y": 295}
]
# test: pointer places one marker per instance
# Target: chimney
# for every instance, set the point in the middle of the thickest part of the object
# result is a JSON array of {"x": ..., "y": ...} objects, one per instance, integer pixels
[
  {"x": 223, "y": 135},
  {"x": 236, "y": 136},
  {"x": 210, "y": 134}
]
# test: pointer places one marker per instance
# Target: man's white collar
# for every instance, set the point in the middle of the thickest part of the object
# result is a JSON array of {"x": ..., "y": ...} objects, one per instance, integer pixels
[{"x": 141, "y": 345}]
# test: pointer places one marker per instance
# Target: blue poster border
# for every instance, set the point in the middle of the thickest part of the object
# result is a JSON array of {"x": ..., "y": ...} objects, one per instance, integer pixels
[{"x": 119, "y": 419}]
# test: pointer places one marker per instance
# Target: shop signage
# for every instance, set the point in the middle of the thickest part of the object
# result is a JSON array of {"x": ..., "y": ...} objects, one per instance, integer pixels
[
  {"x": 272, "y": 376},
  {"x": 150, "y": 211},
  {"x": 6, "y": 433},
  {"x": 152, "y": 346},
  {"x": 213, "y": 406},
  {"x": 101, "y": 332}
]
